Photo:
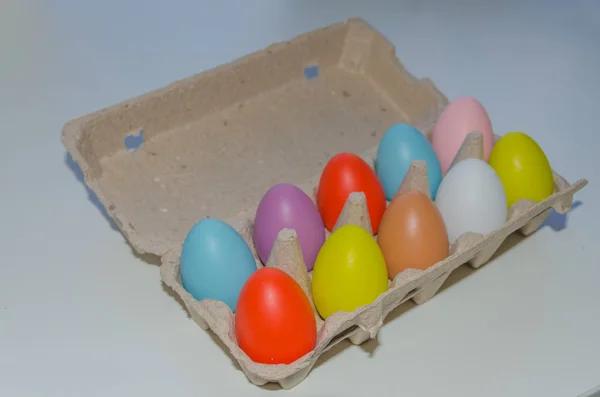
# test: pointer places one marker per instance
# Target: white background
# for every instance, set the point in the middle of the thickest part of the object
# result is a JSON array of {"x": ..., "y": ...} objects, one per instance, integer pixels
[{"x": 81, "y": 315}]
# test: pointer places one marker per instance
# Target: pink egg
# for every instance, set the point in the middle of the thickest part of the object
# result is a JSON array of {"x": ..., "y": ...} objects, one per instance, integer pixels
[{"x": 462, "y": 116}]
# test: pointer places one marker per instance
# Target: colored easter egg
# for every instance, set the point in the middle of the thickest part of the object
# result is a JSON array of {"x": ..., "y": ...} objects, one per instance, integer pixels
[
  {"x": 412, "y": 234},
  {"x": 343, "y": 174},
  {"x": 274, "y": 320},
  {"x": 471, "y": 198},
  {"x": 462, "y": 116},
  {"x": 400, "y": 146},
  {"x": 523, "y": 168},
  {"x": 215, "y": 262},
  {"x": 286, "y": 206},
  {"x": 349, "y": 271}
]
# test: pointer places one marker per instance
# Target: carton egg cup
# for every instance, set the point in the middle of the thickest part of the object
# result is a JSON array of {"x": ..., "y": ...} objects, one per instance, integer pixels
[{"x": 212, "y": 145}]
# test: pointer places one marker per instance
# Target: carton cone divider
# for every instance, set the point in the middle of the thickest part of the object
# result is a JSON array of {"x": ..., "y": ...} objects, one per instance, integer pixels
[
  {"x": 286, "y": 255},
  {"x": 355, "y": 212},
  {"x": 471, "y": 148},
  {"x": 415, "y": 179}
]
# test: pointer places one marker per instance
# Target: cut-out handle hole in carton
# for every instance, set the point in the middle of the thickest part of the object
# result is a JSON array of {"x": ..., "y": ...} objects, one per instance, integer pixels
[
  {"x": 134, "y": 141},
  {"x": 311, "y": 72}
]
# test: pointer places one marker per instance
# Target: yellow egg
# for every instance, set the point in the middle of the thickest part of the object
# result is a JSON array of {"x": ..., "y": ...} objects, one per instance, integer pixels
[
  {"x": 349, "y": 271},
  {"x": 522, "y": 167}
]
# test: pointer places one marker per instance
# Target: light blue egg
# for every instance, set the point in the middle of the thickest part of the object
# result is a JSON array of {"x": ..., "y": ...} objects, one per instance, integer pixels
[
  {"x": 399, "y": 147},
  {"x": 215, "y": 262}
]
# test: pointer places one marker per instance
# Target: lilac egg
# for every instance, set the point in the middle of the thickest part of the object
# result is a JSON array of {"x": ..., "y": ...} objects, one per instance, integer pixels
[{"x": 285, "y": 206}]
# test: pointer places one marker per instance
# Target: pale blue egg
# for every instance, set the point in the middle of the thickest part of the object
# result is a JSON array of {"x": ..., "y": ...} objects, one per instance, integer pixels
[
  {"x": 215, "y": 262},
  {"x": 400, "y": 146}
]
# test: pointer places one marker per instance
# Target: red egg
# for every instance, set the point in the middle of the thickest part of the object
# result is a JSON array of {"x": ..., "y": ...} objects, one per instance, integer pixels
[
  {"x": 274, "y": 319},
  {"x": 346, "y": 173}
]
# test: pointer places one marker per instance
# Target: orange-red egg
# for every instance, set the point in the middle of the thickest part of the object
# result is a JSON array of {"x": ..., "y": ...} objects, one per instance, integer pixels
[
  {"x": 274, "y": 319},
  {"x": 412, "y": 233},
  {"x": 346, "y": 173}
]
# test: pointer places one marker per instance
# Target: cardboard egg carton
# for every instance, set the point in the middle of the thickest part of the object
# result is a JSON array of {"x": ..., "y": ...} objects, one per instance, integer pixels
[{"x": 214, "y": 143}]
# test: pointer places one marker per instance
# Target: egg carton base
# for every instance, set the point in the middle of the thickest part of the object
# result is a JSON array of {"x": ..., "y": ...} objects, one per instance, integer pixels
[{"x": 364, "y": 324}]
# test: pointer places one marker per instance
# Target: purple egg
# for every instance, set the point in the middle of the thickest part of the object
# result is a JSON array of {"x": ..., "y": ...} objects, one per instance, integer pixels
[{"x": 285, "y": 206}]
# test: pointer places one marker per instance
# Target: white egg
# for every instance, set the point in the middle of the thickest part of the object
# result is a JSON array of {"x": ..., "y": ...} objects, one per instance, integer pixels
[{"x": 471, "y": 198}]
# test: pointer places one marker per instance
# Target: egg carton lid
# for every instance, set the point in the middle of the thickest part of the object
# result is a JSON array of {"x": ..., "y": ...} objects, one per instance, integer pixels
[{"x": 212, "y": 144}]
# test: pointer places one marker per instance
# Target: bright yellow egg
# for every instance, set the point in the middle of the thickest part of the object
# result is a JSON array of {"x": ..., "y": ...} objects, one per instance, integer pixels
[
  {"x": 349, "y": 271},
  {"x": 523, "y": 168}
]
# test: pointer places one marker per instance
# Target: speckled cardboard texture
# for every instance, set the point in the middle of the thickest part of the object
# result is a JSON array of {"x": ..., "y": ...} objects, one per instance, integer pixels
[{"x": 214, "y": 143}]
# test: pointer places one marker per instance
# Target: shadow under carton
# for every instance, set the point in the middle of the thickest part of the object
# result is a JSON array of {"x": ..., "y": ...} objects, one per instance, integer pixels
[{"x": 214, "y": 143}]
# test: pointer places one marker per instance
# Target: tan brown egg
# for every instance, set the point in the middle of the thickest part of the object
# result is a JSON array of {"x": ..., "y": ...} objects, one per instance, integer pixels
[{"x": 412, "y": 234}]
